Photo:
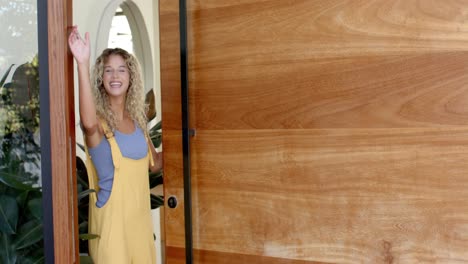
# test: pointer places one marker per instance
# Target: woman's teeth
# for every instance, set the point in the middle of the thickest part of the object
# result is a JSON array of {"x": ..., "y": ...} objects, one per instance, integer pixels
[{"x": 115, "y": 84}]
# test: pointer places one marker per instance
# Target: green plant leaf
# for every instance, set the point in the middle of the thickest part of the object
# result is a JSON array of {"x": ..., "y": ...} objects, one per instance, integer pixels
[
  {"x": 29, "y": 234},
  {"x": 86, "y": 260},
  {"x": 83, "y": 209},
  {"x": 82, "y": 174},
  {"x": 83, "y": 227},
  {"x": 155, "y": 178},
  {"x": 81, "y": 182},
  {"x": 35, "y": 207},
  {"x": 156, "y": 141},
  {"x": 81, "y": 146},
  {"x": 32, "y": 254},
  {"x": 11, "y": 180},
  {"x": 31, "y": 260},
  {"x": 22, "y": 198},
  {"x": 8, "y": 214},
  {"x": 88, "y": 236},
  {"x": 83, "y": 224},
  {"x": 157, "y": 127},
  {"x": 156, "y": 201},
  {"x": 84, "y": 193},
  {"x": 7, "y": 251},
  {"x": 2, "y": 81},
  {"x": 155, "y": 134}
]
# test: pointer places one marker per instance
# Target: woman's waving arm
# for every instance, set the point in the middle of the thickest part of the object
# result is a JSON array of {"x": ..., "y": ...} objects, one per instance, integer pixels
[{"x": 80, "y": 49}]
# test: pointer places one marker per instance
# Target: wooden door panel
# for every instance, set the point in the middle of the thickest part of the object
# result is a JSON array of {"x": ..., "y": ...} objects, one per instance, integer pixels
[
  {"x": 423, "y": 90},
  {"x": 170, "y": 64},
  {"x": 173, "y": 186},
  {"x": 205, "y": 256},
  {"x": 350, "y": 196},
  {"x": 326, "y": 131},
  {"x": 308, "y": 64}
]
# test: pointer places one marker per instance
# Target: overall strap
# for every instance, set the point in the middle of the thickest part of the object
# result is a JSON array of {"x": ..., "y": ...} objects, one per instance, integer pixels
[
  {"x": 115, "y": 150},
  {"x": 150, "y": 153}
]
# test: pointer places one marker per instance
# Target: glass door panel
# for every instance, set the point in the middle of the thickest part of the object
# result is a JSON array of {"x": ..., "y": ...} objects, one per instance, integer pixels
[{"x": 21, "y": 235}]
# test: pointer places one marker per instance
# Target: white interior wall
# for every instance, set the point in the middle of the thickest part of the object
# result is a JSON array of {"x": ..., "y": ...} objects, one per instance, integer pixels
[{"x": 95, "y": 17}]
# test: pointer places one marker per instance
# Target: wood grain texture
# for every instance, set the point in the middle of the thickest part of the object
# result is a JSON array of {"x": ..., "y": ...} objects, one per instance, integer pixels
[
  {"x": 174, "y": 224},
  {"x": 170, "y": 64},
  {"x": 327, "y": 131},
  {"x": 315, "y": 64},
  {"x": 61, "y": 133},
  {"x": 340, "y": 196},
  {"x": 361, "y": 92},
  {"x": 175, "y": 255},
  {"x": 174, "y": 186}
]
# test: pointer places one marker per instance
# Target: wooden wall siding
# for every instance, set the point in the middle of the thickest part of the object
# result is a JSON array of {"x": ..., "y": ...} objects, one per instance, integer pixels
[{"x": 327, "y": 131}]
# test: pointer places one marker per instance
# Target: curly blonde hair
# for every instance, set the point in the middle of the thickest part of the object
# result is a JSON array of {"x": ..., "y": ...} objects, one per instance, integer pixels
[{"x": 135, "y": 100}]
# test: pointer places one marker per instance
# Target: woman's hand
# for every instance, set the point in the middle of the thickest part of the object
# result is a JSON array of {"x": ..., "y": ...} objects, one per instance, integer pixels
[
  {"x": 158, "y": 162},
  {"x": 157, "y": 158},
  {"x": 79, "y": 47}
]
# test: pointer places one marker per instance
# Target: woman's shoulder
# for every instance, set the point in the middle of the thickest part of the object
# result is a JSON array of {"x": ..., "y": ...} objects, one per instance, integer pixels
[{"x": 93, "y": 136}]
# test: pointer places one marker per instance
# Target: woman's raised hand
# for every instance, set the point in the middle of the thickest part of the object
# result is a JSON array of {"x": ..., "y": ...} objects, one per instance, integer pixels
[{"x": 79, "y": 47}]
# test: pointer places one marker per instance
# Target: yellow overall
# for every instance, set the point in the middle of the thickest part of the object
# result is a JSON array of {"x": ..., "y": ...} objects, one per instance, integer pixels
[{"x": 124, "y": 223}]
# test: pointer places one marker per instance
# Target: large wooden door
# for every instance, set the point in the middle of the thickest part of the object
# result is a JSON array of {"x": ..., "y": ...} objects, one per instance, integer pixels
[{"x": 327, "y": 131}]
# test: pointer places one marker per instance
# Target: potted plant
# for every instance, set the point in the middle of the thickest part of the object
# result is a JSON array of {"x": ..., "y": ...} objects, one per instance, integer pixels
[{"x": 21, "y": 227}]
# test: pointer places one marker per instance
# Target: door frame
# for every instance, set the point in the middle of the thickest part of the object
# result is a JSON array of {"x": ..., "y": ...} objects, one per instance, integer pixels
[{"x": 57, "y": 123}]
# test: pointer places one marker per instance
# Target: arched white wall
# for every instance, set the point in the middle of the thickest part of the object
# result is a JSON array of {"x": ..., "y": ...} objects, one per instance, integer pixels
[
  {"x": 140, "y": 37},
  {"x": 103, "y": 28},
  {"x": 141, "y": 42}
]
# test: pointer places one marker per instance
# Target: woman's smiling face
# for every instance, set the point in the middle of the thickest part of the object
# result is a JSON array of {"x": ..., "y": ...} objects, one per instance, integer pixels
[{"x": 116, "y": 76}]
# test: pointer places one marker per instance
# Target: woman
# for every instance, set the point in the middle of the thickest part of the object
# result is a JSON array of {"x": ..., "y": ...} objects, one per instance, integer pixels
[{"x": 113, "y": 118}]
